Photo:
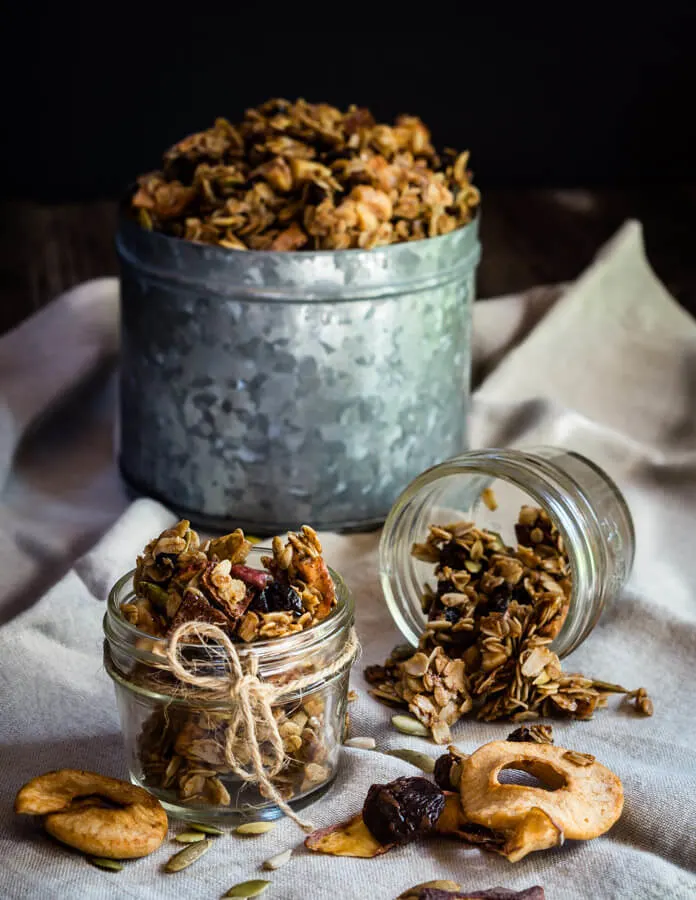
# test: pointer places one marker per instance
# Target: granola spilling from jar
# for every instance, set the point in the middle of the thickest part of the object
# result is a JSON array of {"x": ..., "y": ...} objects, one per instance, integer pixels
[
  {"x": 307, "y": 176},
  {"x": 490, "y": 620},
  {"x": 179, "y": 579}
]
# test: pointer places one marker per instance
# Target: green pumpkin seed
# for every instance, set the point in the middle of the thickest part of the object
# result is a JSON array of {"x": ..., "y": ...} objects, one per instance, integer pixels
[
  {"x": 249, "y": 888},
  {"x": 188, "y": 855},
  {"x": 420, "y": 760},
  {"x": 111, "y": 865},
  {"x": 254, "y": 828},
  {"x": 472, "y": 566},
  {"x": 409, "y": 725},
  {"x": 402, "y": 652},
  {"x": 609, "y": 688},
  {"x": 189, "y": 837},
  {"x": 145, "y": 220},
  {"x": 206, "y": 829},
  {"x": 275, "y": 862},
  {"x": 155, "y": 594}
]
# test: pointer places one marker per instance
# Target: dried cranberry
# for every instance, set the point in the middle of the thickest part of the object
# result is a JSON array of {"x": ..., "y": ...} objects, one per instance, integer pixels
[
  {"x": 453, "y": 555},
  {"x": 278, "y": 597},
  {"x": 253, "y": 577},
  {"x": 522, "y": 533},
  {"x": 499, "y": 599},
  {"x": 521, "y": 735},
  {"x": 403, "y": 809},
  {"x": 445, "y": 586},
  {"x": 521, "y": 596}
]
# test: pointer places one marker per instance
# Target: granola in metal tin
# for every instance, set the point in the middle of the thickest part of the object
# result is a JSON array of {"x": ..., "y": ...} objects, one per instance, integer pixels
[{"x": 307, "y": 176}]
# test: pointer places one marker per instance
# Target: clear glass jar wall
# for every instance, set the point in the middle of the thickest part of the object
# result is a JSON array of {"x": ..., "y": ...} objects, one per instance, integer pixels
[
  {"x": 585, "y": 504},
  {"x": 175, "y": 744}
]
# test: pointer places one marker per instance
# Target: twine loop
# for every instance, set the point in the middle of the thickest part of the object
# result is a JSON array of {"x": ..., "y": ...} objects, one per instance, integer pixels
[{"x": 252, "y": 700}]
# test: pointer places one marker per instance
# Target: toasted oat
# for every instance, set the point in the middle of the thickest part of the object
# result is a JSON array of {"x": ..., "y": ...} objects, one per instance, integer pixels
[
  {"x": 305, "y": 176},
  {"x": 494, "y": 613},
  {"x": 489, "y": 498}
]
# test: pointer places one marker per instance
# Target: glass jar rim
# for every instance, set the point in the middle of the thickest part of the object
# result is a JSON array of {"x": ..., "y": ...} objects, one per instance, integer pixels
[
  {"x": 556, "y": 491},
  {"x": 268, "y": 653}
]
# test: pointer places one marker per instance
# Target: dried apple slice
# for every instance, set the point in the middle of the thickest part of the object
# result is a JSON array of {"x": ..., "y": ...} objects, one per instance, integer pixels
[{"x": 351, "y": 838}]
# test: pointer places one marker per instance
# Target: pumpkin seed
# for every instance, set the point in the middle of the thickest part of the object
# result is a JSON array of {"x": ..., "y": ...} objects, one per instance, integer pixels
[
  {"x": 608, "y": 687},
  {"x": 189, "y": 837},
  {"x": 188, "y": 855},
  {"x": 409, "y": 725},
  {"x": 255, "y": 827},
  {"x": 249, "y": 888},
  {"x": 275, "y": 862},
  {"x": 361, "y": 743},
  {"x": 402, "y": 652},
  {"x": 420, "y": 760},
  {"x": 206, "y": 829},
  {"x": 111, "y": 865},
  {"x": 472, "y": 566}
]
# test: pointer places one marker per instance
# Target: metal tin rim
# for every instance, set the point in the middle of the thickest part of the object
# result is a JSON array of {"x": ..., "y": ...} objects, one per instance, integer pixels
[{"x": 130, "y": 234}]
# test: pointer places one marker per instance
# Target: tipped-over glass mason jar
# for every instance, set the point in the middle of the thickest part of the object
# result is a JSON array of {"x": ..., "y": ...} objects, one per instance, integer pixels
[
  {"x": 175, "y": 735},
  {"x": 583, "y": 502}
]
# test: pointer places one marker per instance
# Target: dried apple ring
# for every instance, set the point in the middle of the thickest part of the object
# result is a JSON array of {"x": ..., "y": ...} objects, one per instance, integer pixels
[
  {"x": 96, "y": 814},
  {"x": 583, "y": 800}
]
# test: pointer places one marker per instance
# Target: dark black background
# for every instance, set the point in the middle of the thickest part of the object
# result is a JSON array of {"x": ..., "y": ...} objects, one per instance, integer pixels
[{"x": 587, "y": 96}]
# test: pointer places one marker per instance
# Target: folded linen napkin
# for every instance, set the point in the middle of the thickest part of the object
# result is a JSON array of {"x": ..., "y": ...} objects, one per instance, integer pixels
[{"x": 607, "y": 371}]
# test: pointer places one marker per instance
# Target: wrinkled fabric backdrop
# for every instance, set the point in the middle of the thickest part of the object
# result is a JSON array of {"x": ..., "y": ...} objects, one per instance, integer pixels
[{"x": 606, "y": 367}]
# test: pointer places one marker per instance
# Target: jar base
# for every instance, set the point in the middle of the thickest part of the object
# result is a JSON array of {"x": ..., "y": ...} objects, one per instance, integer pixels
[
  {"x": 229, "y": 818},
  {"x": 223, "y": 524}
]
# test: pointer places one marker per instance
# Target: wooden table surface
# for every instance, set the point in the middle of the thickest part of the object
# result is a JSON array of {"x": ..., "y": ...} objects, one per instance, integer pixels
[{"x": 529, "y": 237}]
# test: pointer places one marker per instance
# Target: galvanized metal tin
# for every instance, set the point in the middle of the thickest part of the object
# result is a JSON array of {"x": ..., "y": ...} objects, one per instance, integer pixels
[{"x": 269, "y": 389}]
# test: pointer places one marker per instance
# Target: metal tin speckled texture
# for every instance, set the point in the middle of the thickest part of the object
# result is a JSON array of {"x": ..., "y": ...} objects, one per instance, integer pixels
[{"x": 264, "y": 390}]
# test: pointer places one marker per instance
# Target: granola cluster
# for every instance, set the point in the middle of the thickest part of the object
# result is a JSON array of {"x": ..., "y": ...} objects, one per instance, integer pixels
[
  {"x": 494, "y": 613},
  {"x": 182, "y": 752},
  {"x": 294, "y": 176},
  {"x": 178, "y": 579}
]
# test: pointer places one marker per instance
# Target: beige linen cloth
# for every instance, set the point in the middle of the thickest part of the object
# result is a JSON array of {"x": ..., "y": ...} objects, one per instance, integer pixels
[{"x": 609, "y": 369}]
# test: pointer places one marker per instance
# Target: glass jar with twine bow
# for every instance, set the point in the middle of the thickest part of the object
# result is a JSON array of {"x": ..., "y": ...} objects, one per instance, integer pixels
[{"x": 222, "y": 731}]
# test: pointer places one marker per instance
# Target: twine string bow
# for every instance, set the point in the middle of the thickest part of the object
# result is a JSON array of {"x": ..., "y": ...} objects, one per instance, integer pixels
[{"x": 251, "y": 704}]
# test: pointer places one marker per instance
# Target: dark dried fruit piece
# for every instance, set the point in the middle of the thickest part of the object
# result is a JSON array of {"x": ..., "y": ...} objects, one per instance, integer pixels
[
  {"x": 496, "y": 893},
  {"x": 445, "y": 586},
  {"x": 278, "y": 597},
  {"x": 376, "y": 674},
  {"x": 195, "y": 608},
  {"x": 499, "y": 599},
  {"x": 452, "y": 614},
  {"x": 533, "y": 734},
  {"x": 441, "y": 773},
  {"x": 403, "y": 809},
  {"x": 453, "y": 555}
]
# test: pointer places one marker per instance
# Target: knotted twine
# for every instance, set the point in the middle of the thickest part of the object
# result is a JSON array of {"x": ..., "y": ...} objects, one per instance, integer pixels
[{"x": 251, "y": 702}]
